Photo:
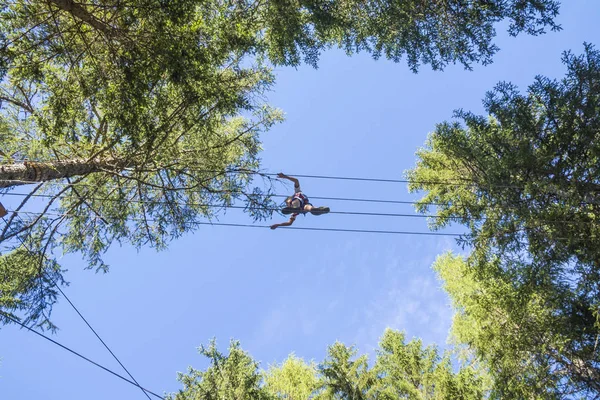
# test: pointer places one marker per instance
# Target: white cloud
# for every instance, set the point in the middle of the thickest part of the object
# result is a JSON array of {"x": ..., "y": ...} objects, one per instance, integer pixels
[
  {"x": 411, "y": 300},
  {"x": 354, "y": 298}
]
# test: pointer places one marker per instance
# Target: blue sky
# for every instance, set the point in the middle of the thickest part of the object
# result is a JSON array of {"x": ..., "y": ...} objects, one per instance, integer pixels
[{"x": 288, "y": 291}]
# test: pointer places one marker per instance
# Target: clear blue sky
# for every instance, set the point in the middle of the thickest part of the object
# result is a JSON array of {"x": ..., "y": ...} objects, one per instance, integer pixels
[{"x": 287, "y": 291}]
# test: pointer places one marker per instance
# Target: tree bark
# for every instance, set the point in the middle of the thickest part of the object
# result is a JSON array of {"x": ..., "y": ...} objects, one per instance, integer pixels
[
  {"x": 31, "y": 172},
  {"x": 81, "y": 13}
]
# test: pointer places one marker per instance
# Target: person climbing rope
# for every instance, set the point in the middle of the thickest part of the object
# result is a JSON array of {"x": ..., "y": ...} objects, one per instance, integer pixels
[{"x": 297, "y": 203}]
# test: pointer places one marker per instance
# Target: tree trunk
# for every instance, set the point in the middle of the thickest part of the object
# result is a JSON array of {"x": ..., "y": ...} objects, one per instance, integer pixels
[
  {"x": 77, "y": 11},
  {"x": 32, "y": 172}
]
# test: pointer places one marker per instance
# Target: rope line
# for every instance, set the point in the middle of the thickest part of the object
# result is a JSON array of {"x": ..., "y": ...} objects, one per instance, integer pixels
[
  {"x": 79, "y": 355},
  {"x": 283, "y": 196},
  {"x": 83, "y": 318},
  {"x": 385, "y": 180},
  {"x": 100, "y": 339},
  {"x": 464, "y": 182},
  {"x": 360, "y": 213},
  {"x": 268, "y": 226},
  {"x": 343, "y": 178},
  {"x": 349, "y": 230},
  {"x": 458, "y": 235},
  {"x": 332, "y": 229},
  {"x": 365, "y": 213},
  {"x": 369, "y": 200}
]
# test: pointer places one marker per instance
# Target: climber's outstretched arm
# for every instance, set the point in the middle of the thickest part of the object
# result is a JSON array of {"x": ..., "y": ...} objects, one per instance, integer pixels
[
  {"x": 291, "y": 178},
  {"x": 290, "y": 222}
]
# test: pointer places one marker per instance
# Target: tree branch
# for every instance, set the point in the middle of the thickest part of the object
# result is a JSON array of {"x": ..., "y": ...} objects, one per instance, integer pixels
[
  {"x": 81, "y": 13},
  {"x": 17, "y": 103}
]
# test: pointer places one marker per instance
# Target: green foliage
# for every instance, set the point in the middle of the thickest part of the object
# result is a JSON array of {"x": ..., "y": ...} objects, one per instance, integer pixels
[
  {"x": 151, "y": 100},
  {"x": 293, "y": 379},
  {"x": 158, "y": 106},
  {"x": 409, "y": 371},
  {"x": 435, "y": 33},
  {"x": 344, "y": 375},
  {"x": 525, "y": 182},
  {"x": 229, "y": 377},
  {"x": 513, "y": 328},
  {"x": 27, "y": 285},
  {"x": 402, "y": 371}
]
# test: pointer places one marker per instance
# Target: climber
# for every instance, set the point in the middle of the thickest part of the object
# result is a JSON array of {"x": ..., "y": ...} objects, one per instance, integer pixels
[{"x": 297, "y": 203}]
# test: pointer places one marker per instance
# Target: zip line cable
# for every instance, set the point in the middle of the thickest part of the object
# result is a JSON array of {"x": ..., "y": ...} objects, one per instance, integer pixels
[
  {"x": 283, "y": 196},
  {"x": 268, "y": 226},
  {"x": 457, "y": 235},
  {"x": 83, "y": 318},
  {"x": 344, "y": 178},
  {"x": 78, "y": 354},
  {"x": 463, "y": 182},
  {"x": 100, "y": 339},
  {"x": 259, "y": 208},
  {"x": 343, "y": 230},
  {"x": 385, "y": 180},
  {"x": 361, "y": 213},
  {"x": 332, "y": 229},
  {"x": 367, "y": 200},
  {"x": 332, "y": 212},
  {"x": 244, "y": 171}
]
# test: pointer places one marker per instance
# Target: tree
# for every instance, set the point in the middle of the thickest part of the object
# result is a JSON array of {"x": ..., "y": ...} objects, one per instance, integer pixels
[
  {"x": 410, "y": 371},
  {"x": 521, "y": 331},
  {"x": 294, "y": 379},
  {"x": 127, "y": 134},
  {"x": 228, "y": 377},
  {"x": 136, "y": 120},
  {"x": 525, "y": 182},
  {"x": 402, "y": 371},
  {"x": 344, "y": 376},
  {"x": 23, "y": 289}
]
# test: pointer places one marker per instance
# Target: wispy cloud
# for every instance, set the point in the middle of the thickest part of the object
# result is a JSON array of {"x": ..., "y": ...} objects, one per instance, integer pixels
[
  {"x": 410, "y": 299},
  {"x": 355, "y": 297}
]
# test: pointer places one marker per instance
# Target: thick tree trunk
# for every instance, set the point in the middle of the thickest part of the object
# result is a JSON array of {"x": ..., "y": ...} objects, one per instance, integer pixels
[{"x": 32, "y": 172}]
